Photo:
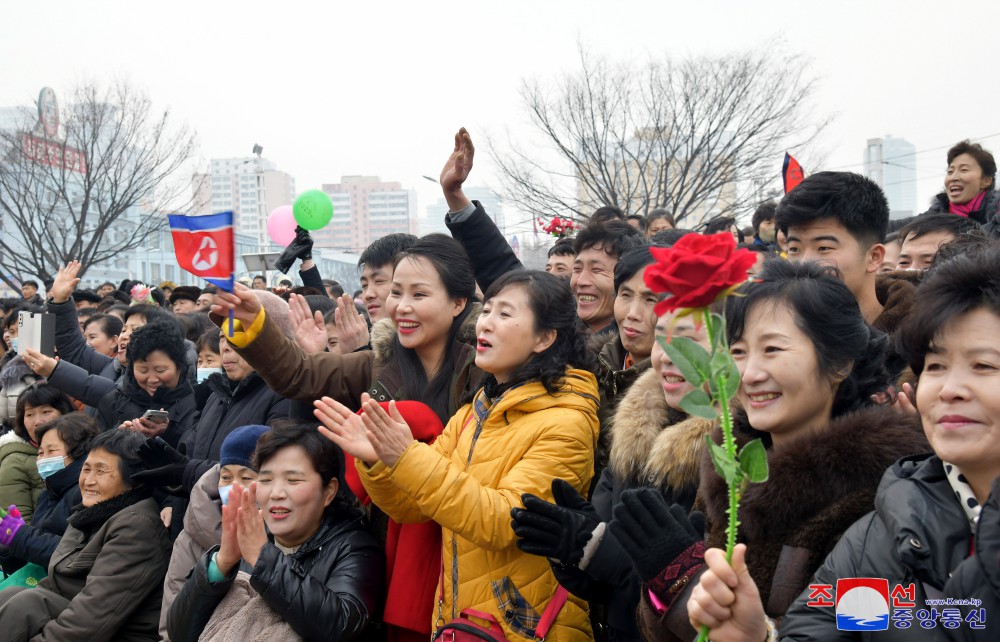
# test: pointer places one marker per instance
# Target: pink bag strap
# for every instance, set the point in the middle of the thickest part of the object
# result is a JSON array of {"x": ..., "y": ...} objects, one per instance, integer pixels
[{"x": 551, "y": 613}]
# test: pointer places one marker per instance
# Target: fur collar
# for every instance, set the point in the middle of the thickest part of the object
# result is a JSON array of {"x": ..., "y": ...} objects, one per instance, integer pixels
[
  {"x": 16, "y": 371},
  {"x": 653, "y": 443},
  {"x": 897, "y": 292},
  {"x": 383, "y": 333},
  {"x": 12, "y": 438},
  {"x": 89, "y": 519},
  {"x": 848, "y": 455}
]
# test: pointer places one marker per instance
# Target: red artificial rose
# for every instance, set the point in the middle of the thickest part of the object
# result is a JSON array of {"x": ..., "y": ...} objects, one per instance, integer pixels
[{"x": 697, "y": 270}]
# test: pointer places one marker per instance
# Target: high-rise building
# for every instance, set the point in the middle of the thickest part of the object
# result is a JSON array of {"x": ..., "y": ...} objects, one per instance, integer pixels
[
  {"x": 250, "y": 187},
  {"x": 364, "y": 209},
  {"x": 891, "y": 162},
  {"x": 433, "y": 221}
]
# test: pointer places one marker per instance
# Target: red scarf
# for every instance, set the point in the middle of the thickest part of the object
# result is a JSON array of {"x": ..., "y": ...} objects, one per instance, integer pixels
[{"x": 965, "y": 209}]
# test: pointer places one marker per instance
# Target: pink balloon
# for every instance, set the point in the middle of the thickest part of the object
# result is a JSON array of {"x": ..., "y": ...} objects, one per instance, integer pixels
[{"x": 281, "y": 225}]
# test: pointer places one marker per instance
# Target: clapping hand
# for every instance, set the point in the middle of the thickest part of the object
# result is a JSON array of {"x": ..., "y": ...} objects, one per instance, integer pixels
[
  {"x": 388, "y": 432},
  {"x": 653, "y": 533},
  {"x": 557, "y": 531},
  {"x": 243, "y": 533},
  {"x": 345, "y": 428}
]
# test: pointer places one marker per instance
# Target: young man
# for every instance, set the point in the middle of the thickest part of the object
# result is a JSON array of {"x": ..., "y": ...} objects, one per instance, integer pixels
[
  {"x": 597, "y": 249},
  {"x": 924, "y": 235},
  {"x": 259, "y": 283},
  {"x": 840, "y": 219},
  {"x": 560, "y": 260},
  {"x": 376, "y": 271},
  {"x": 29, "y": 291}
]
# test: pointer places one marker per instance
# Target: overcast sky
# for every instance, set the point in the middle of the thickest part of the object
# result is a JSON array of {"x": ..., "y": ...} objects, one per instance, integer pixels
[{"x": 334, "y": 88}]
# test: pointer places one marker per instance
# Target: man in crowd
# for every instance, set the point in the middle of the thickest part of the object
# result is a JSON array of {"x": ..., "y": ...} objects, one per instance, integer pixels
[
  {"x": 924, "y": 235},
  {"x": 29, "y": 292},
  {"x": 763, "y": 225},
  {"x": 597, "y": 248},
  {"x": 376, "y": 271},
  {"x": 184, "y": 299},
  {"x": 560, "y": 260}
]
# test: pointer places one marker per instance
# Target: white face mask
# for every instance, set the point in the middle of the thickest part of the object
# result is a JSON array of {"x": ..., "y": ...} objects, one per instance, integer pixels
[
  {"x": 224, "y": 494},
  {"x": 13, "y": 344},
  {"x": 50, "y": 465},
  {"x": 205, "y": 373}
]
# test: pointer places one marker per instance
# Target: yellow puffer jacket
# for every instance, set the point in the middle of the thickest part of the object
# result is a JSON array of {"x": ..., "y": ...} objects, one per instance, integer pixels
[{"x": 527, "y": 439}]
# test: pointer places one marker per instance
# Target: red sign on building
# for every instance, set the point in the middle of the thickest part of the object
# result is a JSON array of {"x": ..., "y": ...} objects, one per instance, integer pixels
[{"x": 50, "y": 152}]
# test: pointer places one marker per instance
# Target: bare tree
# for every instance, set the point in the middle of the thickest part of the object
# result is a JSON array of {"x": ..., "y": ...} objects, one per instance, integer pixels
[
  {"x": 698, "y": 137},
  {"x": 92, "y": 187}
]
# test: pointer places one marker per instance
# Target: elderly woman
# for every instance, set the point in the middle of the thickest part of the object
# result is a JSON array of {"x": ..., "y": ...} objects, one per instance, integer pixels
[
  {"x": 106, "y": 576},
  {"x": 63, "y": 444},
  {"x": 970, "y": 186},
  {"x": 935, "y": 531}
]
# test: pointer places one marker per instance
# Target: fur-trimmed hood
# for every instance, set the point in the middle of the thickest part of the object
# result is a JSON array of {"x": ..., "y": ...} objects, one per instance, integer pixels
[
  {"x": 652, "y": 442},
  {"x": 383, "y": 332},
  {"x": 819, "y": 467}
]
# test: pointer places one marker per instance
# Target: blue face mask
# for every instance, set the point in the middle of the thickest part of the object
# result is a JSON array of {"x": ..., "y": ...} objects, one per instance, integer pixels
[
  {"x": 13, "y": 344},
  {"x": 205, "y": 373},
  {"x": 50, "y": 466},
  {"x": 224, "y": 493}
]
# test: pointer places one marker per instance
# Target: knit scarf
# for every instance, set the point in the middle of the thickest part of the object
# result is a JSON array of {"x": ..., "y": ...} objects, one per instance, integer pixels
[{"x": 965, "y": 209}]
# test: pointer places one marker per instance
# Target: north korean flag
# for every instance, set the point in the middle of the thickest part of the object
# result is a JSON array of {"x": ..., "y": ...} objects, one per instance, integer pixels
[
  {"x": 791, "y": 172},
  {"x": 205, "y": 246}
]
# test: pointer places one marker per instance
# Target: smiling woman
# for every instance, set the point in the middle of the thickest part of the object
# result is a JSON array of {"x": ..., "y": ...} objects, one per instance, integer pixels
[
  {"x": 809, "y": 365},
  {"x": 155, "y": 379},
  {"x": 937, "y": 517}
]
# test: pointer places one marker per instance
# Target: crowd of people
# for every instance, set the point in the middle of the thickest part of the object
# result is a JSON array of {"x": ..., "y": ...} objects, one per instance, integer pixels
[{"x": 467, "y": 449}]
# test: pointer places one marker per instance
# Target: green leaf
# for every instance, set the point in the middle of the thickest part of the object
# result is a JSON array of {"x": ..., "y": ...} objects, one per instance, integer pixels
[
  {"x": 689, "y": 357},
  {"x": 753, "y": 461},
  {"x": 698, "y": 404},
  {"x": 727, "y": 468},
  {"x": 719, "y": 327},
  {"x": 732, "y": 380}
]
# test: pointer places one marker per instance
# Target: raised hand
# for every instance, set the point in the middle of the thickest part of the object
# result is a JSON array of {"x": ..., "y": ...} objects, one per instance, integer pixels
[
  {"x": 250, "y": 531},
  {"x": 457, "y": 170},
  {"x": 557, "y": 531},
  {"x": 351, "y": 325},
  {"x": 726, "y": 599},
  {"x": 388, "y": 432},
  {"x": 42, "y": 365},
  {"x": 65, "y": 282},
  {"x": 345, "y": 428},
  {"x": 310, "y": 331},
  {"x": 242, "y": 301}
]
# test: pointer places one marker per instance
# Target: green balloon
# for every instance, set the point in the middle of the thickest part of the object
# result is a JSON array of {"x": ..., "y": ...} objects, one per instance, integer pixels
[{"x": 313, "y": 209}]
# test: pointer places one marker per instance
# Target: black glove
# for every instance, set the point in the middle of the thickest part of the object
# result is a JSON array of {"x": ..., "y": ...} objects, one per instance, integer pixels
[
  {"x": 164, "y": 464},
  {"x": 652, "y": 533},
  {"x": 558, "y": 532},
  {"x": 300, "y": 248}
]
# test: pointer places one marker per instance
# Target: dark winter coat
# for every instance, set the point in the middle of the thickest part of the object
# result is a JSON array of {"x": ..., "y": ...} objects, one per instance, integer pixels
[
  {"x": 613, "y": 381},
  {"x": 129, "y": 401},
  {"x": 292, "y": 373},
  {"x": 231, "y": 405},
  {"x": 988, "y": 214},
  {"x": 651, "y": 445},
  {"x": 329, "y": 589},
  {"x": 110, "y": 565},
  {"x": 918, "y": 533},
  {"x": 819, "y": 483},
  {"x": 491, "y": 255},
  {"x": 35, "y": 542},
  {"x": 95, "y": 374}
]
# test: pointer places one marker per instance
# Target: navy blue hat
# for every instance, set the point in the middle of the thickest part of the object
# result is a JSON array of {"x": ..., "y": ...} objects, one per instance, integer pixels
[{"x": 239, "y": 445}]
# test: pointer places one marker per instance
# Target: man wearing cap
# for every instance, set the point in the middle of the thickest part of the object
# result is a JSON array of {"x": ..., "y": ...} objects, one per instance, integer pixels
[
  {"x": 184, "y": 299},
  {"x": 85, "y": 299}
]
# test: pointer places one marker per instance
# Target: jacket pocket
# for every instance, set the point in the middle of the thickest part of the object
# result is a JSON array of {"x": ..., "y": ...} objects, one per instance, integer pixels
[
  {"x": 519, "y": 615},
  {"x": 80, "y": 564}
]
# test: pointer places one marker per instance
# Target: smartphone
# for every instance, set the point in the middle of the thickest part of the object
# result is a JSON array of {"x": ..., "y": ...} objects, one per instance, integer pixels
[
  {"x": 157, "y": 416},
  {"x": 36, "y": 330}
]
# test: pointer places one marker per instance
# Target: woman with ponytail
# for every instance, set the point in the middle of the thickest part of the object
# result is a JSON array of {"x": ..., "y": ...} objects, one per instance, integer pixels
[{"x": 810, "y": 369}]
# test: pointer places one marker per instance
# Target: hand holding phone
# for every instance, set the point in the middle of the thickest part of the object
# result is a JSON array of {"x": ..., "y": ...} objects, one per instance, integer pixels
[{"x": 156, "y": 416}]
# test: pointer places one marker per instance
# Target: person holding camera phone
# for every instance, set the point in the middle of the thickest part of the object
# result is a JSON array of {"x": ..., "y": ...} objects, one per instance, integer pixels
[{"x": 155, "y": 399}]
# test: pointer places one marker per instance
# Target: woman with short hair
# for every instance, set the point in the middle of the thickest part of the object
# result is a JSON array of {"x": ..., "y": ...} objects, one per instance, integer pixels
[{"x": 105, "y": 578}]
